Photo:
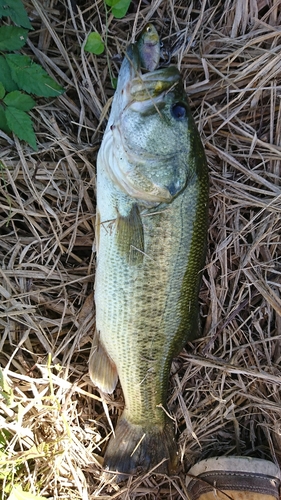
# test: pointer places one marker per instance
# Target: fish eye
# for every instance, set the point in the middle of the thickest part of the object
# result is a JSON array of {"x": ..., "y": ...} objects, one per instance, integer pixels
[{"x": 178, "y": 111}]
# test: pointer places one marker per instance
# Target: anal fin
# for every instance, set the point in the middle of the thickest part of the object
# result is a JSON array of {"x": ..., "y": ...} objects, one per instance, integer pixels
[
  {"x": 102, "y": 369},
  {"x": 129, "y": 236}
]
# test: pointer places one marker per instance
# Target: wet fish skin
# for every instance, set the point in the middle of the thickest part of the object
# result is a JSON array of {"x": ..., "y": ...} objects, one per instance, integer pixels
[{"x": 152, "y": 197}]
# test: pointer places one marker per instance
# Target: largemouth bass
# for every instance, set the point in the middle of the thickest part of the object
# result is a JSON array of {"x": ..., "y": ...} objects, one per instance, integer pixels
[{"x": 152, "y": 198}]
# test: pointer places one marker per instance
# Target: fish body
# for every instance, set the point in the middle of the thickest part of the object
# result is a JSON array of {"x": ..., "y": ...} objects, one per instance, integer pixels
[{"x": 152, "y": 197}]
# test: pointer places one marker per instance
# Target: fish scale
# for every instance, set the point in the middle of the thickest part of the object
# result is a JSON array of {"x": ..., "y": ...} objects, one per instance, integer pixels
[{"x": 152, "y": 193}]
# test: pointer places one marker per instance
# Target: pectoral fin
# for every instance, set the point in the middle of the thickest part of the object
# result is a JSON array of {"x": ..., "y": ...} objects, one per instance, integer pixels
[
  {"x": 102, "y": 369},
  {"x": 129, "y": 236}
]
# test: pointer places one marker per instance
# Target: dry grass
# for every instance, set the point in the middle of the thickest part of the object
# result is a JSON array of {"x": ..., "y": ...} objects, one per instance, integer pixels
[{"x": 225, "y": 388}]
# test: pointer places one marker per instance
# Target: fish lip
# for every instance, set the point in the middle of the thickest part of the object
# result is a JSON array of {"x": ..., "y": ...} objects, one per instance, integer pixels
[{"x": 136, "y": 85}]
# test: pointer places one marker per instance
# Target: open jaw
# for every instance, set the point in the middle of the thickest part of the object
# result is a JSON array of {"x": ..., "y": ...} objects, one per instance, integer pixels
[{"x": 140, "y": 86}]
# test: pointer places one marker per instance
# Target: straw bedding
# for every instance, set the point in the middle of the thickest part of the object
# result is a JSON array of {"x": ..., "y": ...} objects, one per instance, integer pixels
[{"x": 225, "y": 388}]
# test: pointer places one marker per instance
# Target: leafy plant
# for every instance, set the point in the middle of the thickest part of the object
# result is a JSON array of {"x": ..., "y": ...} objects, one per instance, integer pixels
[
  {"x": 20, "y": 76},
  {"x": 118, "y": 7},
  {"x": 94, "y": 43}
]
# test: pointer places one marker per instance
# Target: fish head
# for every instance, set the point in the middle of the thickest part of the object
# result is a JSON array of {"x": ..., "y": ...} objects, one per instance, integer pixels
[{"x": 151, "y": 131}]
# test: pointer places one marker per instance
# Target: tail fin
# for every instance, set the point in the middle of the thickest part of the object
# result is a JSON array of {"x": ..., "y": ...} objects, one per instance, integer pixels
[{"x": 135, "y": 449}]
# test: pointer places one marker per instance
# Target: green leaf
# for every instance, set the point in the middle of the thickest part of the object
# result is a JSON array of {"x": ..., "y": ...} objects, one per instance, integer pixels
[
  {"x": 31, "y": 77},
  {"x": 2, "y": 90},
  {"x": 6, "y": 76},
  {"x": 94, "y": 44},
  {"x": 18, "y": 494},
  {"x": 119, "y": 8},
  {"x": 114, "y": 82},
  {"x": 112, "y": 3},
  {"x": 16, "y": 11},
  {"x": 19, "y": 100},
  {"x": 120, "y": 12},
  {"x": 20, "y": 123},
  {"x": 12, "y": 37},
  {"x": 4, "y": 127}
]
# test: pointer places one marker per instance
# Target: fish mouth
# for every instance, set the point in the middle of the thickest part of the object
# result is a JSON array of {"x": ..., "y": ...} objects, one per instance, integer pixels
[
  {"x": 138, "y": 85},
  {"x": 143, "y": 92}
]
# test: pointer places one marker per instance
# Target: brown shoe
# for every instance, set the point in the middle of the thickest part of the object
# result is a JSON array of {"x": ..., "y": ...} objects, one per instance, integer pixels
[{"x": 235, "y": 478}]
